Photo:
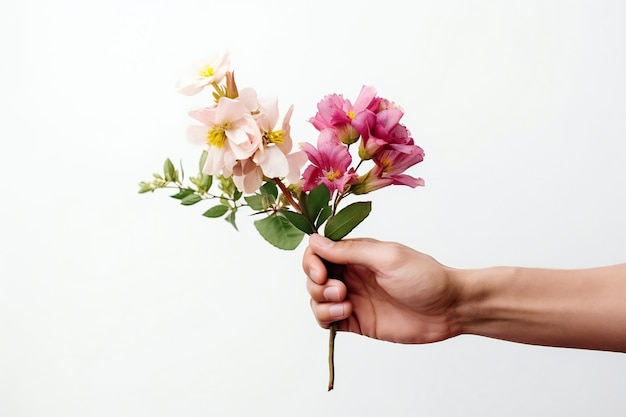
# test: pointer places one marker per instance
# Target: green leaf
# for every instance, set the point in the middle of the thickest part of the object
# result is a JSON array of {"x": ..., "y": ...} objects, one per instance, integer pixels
[
  {"x": 324, "y": 215},
  {"x": 271, "y": 189},
  {"x": 205, "y": 182},
  {"x": 202, "y": 161},
  {"x": 299, "y": 221},
  {"x": 169, "y": 171},
  {"x": 184, "y": 192},
  {"x": 315, "y": 201},
  {"x": 231, "y": 219},
  {"x": 347, "y": 219},
  {"x": 255, "y": 202},
  {"x": 279, "y": 232},
  {"x": 216, "y": 211},
  {"x": 190, "y": 199}
]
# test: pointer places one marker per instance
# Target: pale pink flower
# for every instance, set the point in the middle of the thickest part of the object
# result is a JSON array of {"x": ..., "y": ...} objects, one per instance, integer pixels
[
  {"x": 247, "y": 176},
  {"x": 249, "y": 98},
  {"x": 330, "y": 163},
  {"x": 230, "y": 132},
  {"x": 348, "y": 120},
  {"x": 271, "y": 155},
  {"x": 296, "y": 160},
  {"x": 273, "y": 158},
  {"x": 206, "y": 73}
]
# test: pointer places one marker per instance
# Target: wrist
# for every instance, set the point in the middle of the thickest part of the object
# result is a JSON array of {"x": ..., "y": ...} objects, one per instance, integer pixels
[{"x": 477, "y": 288}]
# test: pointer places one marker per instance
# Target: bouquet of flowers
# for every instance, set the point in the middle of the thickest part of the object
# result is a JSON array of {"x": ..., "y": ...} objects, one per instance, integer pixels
[{"x": 248, "y": 156}]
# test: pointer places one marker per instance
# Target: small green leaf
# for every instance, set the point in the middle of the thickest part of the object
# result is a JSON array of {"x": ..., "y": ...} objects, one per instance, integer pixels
[
  {"x": 144, "y": 187},
  {"x": 205, "y": 182},
  {"x": 202, "y": 161},
  {"x": 183, "y": 193},
  {"x": 299, "y": 221},
  {"x": 216, "y": 211},
  {"x": 255, "y": 202},
  {"x": 279, "y": 232},
  {"x": 227, "y": 185},
  {"x": 169, "y": 171},
  {"x": 231, "y": 219},
  {"x": 347, "y": 219},
  {"x": 190, "y": 199},
  {"x": 237, "y": 194}
]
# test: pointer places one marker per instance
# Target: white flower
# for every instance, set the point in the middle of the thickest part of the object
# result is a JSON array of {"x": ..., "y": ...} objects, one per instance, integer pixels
[{"x": 206, "y": 73}]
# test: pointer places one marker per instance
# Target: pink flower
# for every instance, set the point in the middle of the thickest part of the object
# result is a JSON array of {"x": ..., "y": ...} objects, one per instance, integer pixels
[
  {"x": 389, "y": 170},
  {"x": 386, "y": 132},
  {"x": 230, "y": 132},
  {"x": 348, "y": 120},
  {"x": 330, "y": 163},
  {"x": 206, "y": 73}
]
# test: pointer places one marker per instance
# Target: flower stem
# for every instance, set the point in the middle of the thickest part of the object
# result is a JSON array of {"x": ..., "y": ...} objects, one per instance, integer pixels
[
  {"x": 287, "y": 194},
  {"x": 335, "y": 271},
  {"x": 331, "y": 356}
]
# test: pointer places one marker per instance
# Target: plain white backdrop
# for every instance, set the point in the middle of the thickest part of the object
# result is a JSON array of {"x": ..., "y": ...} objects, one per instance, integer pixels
[{"x": 119, "y": 304}]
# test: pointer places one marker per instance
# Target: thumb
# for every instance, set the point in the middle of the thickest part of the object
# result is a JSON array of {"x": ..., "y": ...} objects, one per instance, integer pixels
[{"x": 365, "y": 252}]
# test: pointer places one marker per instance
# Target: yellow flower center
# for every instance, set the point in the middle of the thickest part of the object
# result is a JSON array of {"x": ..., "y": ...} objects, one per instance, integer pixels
[
  {"x": 208, "y": 71},
  {"x": 217, "y": 136},
  {"x": 351, "y": 114},
  {"x": 274, "y": 136},
  {"x": 332, "y": 175},
  {"x": 385, "y": 163}
]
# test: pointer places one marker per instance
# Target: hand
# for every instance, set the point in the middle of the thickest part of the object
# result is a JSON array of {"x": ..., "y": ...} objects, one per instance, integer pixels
[{"x": 389, "y": 291}]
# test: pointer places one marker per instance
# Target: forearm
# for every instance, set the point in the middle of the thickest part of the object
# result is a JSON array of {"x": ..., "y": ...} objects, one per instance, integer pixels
[{"x": 568, "y": 308}]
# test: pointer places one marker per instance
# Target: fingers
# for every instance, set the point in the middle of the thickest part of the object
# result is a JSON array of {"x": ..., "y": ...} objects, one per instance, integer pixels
[
  {"x": 331, "y": 291},
  {"x": 366, "y": 252},
  {"x": 327, "y": 295},
  {"x": 327, "y": 313},
  {"x": 313, "y": 266},
  {"x": 328, "y": 301}
]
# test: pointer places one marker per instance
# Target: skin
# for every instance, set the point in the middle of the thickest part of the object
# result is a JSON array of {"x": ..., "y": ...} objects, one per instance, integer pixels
[{"x": 394, "y": 293}]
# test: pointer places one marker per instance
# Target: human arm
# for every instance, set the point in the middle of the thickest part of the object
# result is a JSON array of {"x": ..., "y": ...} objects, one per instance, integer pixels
[
  {"x": 577, "y": 308},
  {"x": 394, "y": 293}
]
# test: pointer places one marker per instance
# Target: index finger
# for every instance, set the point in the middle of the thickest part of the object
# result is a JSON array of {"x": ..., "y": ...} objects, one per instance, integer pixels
[{"x": 314, "y": 267}]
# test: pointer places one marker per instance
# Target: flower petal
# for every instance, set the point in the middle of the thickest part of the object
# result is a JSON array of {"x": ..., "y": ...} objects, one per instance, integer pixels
[
  {"x": 214, "y": 161},
  {"x": 272, "y": 161},
  {"x": 296, "y": 161},
  {"x": 197, "y": 134}
]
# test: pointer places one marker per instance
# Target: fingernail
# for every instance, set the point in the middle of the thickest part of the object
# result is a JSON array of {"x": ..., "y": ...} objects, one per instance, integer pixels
[
  {"x": 315, "y": 275},
  {"x": 336, "y": 310},
  {"x": 331, "y": 294}
]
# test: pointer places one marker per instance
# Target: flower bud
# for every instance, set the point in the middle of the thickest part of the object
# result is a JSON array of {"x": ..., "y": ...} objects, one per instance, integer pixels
[
  {"x": 348, "y": 134},
  {"x": 231, "y": 86},
  {"x": 363, "y": 154}
]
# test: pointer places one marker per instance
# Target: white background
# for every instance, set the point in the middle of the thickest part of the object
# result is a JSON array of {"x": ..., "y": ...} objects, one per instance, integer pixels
[{"x": 119, "y": 304}]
